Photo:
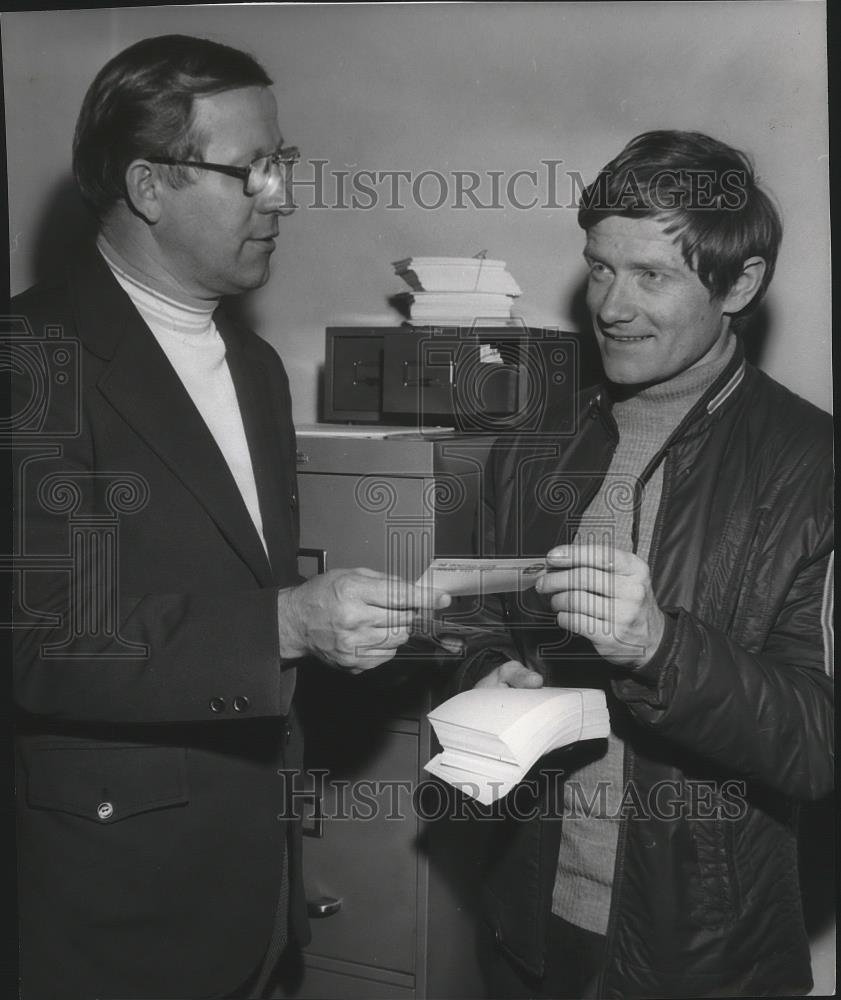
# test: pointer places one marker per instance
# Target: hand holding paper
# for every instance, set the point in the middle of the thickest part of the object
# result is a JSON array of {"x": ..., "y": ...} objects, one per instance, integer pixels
[
  {"x": 605, "y": 595},
  {"x": 354, "y": 619},
  {"x": 511, "y": 674}
]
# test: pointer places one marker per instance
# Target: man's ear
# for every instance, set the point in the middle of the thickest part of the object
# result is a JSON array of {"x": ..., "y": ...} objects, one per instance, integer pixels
[
  {"x": 143, "y": 189},
  {"x": 745, "y": 286}
]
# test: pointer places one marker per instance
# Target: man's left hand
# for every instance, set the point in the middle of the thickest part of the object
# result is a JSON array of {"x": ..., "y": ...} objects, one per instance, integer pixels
[{"x": 604, "y": 594}]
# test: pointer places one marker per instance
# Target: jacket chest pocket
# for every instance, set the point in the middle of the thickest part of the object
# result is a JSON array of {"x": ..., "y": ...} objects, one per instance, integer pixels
[{"x": 107, "y": 784}]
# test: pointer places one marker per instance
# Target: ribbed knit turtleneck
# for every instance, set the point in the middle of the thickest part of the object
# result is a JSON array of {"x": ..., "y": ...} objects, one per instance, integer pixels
[
  {"x": 184, "y": 328},
  {"x": 645, "y": 419}
]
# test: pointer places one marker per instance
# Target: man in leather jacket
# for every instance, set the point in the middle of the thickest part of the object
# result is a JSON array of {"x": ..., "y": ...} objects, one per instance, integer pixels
[{"x": 684, "y": 509}]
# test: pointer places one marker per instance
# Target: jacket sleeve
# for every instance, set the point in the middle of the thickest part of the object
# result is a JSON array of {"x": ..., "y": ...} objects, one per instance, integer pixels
[
  {"x": 168, "y": 656},
  {"x": 763, "y": 707}
]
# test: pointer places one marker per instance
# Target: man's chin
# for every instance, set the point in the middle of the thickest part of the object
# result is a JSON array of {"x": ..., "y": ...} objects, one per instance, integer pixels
[
  {"x": 620, "y": 376},
  {"x": 249, "y": 282}
]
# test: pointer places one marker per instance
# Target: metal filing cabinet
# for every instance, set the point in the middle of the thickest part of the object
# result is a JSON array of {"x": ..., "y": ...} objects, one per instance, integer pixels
[{"x": 396, "y": 887}]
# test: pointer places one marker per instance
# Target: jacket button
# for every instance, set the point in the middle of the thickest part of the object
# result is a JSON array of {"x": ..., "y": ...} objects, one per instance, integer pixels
[
  {"x": 240, "y": 703},
  {"x": 217, "y": 705},
  {"x": 293, "y": 501},
  {"x": 105, "y": 810}
]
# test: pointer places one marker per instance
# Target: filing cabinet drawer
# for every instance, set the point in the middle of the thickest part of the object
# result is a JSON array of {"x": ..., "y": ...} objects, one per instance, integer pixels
[
  {"x": 356, "y": 385},
  {"x": 435, "y": 378},
  {"x": 365, "y": 857}
]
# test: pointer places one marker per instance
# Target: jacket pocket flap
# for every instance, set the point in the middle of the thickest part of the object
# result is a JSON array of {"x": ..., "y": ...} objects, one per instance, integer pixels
[{"x": 107, "y": 784}]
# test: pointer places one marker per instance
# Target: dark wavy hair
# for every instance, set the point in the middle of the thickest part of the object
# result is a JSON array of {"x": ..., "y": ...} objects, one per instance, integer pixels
[
  {"x": 141, "y": 104},
  {"x": 705, "y": 191}
]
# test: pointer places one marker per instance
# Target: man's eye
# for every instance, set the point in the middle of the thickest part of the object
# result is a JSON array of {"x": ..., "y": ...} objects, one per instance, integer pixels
[
  {"x": 597, "y": 270},
  {"x": 653, "y": 277}
]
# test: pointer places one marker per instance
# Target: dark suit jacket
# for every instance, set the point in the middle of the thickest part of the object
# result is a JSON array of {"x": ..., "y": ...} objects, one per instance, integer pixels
[{"x": 153, "y": 708}]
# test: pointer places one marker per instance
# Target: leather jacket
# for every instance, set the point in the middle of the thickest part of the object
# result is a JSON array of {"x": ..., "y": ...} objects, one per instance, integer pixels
[{"x": 726, "y": 729}]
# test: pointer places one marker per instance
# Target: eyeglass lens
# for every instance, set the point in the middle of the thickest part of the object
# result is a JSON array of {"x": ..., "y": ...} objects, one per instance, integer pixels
[{"x": 266, "y": 169}]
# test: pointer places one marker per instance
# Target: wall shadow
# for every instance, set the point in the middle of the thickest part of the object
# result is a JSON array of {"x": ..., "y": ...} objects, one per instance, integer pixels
[
  {"x": 64, "y": 226},
  {"x": 590, "y": 369},
  {"x": 241, "y": 308}
]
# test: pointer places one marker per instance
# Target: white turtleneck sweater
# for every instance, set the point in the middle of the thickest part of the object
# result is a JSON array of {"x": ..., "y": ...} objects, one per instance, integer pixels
[{"x": 185, "y": 330}]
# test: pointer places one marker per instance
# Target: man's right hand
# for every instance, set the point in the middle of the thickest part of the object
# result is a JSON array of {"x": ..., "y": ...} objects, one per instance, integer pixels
[
  {"x": 511, "y": 674},
  {"x": 351, "y": 618}
]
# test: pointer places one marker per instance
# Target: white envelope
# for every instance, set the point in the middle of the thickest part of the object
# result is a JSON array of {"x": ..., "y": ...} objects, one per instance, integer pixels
[{"x": 482, "y": 576}]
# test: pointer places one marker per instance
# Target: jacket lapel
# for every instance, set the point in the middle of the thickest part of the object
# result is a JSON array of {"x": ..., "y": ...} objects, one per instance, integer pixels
[
  {"x": 555, "y": 482},
  {"x": 267, "y": 427},
  {"x": 141, "y": 385}
]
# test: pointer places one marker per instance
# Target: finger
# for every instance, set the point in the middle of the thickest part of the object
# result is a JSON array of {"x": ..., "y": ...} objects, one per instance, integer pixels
[
  {"x": 373, "y": 642},
  {"x": 599, "y": 556},
  {"x": 372, "y": 617},
  {"x": 583, "y": 625},
  {"x": 392, "y": 592},
  {"x": 581, "y": 602},
  {"x": 449, "y": 642},
  {"x": 362, "y": 624},
  {"x": 518, "y": 676},
  {"x": 367, "y": 660},
  {"x": 496, "y": 678},
  {"x": 388, "y": 639},
  {"x": 424, "y": 598},
  {"x": 596, "y": 581}
]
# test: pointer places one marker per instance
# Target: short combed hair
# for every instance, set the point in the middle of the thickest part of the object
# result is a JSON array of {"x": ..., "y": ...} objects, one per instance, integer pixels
[
  {"x": 705, "y": 191},
  {"x": 141, "y": 104}
]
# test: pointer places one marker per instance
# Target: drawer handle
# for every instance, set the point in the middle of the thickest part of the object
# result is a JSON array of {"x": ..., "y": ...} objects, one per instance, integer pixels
[{"x": 324, "y": 906}]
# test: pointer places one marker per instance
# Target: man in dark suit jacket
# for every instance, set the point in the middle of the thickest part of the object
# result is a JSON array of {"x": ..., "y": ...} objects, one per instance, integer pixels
[{"x": 160, "y": 617}]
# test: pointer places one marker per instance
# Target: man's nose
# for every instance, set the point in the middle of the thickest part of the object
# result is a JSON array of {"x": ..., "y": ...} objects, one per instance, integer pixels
[{"x": 616, "y": 304}]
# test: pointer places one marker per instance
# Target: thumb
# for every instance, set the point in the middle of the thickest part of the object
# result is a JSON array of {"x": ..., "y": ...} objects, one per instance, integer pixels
[{"x": 515, "y": 675}]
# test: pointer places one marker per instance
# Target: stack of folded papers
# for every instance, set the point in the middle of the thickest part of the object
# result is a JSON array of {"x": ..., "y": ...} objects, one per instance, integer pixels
[
  {"x": 492, "y": 736},
  {"x": 457, "y": 289}
]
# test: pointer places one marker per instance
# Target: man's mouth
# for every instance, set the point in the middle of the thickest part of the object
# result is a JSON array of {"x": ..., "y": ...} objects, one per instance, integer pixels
[
  {"x": 625, "y": 338},
  {"x": 266, "y": 242}
]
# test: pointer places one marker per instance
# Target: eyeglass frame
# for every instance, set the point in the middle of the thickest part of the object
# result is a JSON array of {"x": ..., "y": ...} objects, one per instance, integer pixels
[{"x": 285, "y": 155}]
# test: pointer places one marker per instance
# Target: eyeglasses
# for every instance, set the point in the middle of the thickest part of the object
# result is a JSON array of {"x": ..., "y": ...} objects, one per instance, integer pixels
[{"x": 255, "y": 177}]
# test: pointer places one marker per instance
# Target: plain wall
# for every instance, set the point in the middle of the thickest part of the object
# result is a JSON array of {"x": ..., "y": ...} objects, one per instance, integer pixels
[
  {"x": 463, "y": 88},
  {"x": 472, "y": 88}
]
